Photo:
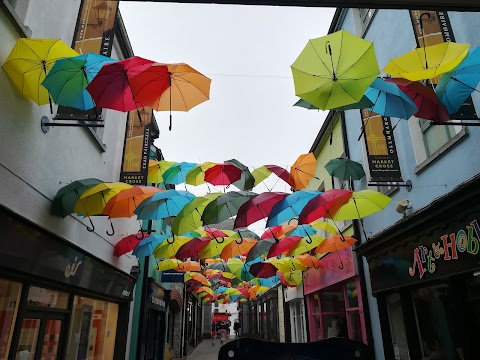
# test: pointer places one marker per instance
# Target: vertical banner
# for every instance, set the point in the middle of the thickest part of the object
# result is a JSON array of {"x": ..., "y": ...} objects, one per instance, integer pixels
[
  {"x": 381, "y": 149},
  {"x": 437, "y": 29},
  {"x": 136, "y": 151}
]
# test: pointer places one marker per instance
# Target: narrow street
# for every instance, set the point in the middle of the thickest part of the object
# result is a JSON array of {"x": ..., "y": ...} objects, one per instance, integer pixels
[{"x": 205, "y": 351}]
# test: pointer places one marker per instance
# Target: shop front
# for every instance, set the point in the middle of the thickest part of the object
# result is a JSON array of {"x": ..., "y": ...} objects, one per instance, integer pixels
[
  {"x": 268, "y": 317},
  {"x": 248, "y": 315},
  {"x": 334, "y": 300},
  {"x": 296, "y": 309},
  {"x": 56, "y": 300},
  {"x": 425, "y": 274}
]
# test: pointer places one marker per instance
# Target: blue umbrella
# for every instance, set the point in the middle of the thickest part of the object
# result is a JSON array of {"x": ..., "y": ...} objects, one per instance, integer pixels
[
  {"x": 148, "y": 244},
  {"x": 245, "y": 270},
  {"x": 389, "y": 100},
  {"x": 290, "y": 207},
  {"x": 163, "y": 204},
  {"x": 303, "y": 230},
  {"x": 456, "y": 86},
  {"x": 177, "y": 173},
  {"x": 67, "y": 80},
  {"x": 268, "y": 282}
]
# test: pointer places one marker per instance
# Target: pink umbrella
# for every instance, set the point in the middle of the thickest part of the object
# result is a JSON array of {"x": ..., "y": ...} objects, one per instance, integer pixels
[
  {"x": 283, "y": 245},
  {"x": 258, "y": 207},
  {"x": 281, "y": 173},
  {"x": 223, "y": 174},
  {"x": 324, "y": 205}
]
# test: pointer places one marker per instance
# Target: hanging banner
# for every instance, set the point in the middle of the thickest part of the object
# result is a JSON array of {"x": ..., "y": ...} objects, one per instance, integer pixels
[
  {"x": 437, "y": 29},
  {"x": 136, "y": 150},
  {"x": 381, "y": 149}
]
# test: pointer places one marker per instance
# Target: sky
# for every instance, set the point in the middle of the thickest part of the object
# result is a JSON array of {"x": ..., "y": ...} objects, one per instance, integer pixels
[{"x": 247, "y": 52}]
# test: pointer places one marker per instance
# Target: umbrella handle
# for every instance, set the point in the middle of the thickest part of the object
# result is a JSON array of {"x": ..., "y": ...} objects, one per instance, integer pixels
[
  {"x": 220, "y": 242},
  {"x": 113, "y": 230},
  {"x": 170, "y": 126},
  {"x": 294, "y": 218},
  {"x": 91, "y": 229},
  {"x": 170, "y": 243},
  {"x": 236, "y": 240},
  {"x": 421, "y": 23},
  {"x": 143, "y": 235}
]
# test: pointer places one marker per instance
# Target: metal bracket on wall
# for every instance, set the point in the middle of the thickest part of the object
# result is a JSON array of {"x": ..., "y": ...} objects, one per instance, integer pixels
[
  {"x": 46, "y": 124},
  {"x": 458, "y": 123},
  {"x": 406, "y": 184}
]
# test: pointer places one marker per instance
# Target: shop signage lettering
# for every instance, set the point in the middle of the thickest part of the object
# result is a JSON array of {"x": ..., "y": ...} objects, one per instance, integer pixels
[
  {"x": 126, "y": 293},
  {"x": 71, "y": 269},
  {"x": 157, "y": 301},
  {"x": 450, "y": 247}
]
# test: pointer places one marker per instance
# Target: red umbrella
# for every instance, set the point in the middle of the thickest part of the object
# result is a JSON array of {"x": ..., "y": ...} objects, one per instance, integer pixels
[
  {"x": 283, "y": 245},
  {"x": 258, "y": 207},
  {"x": 243, "y": 291},
  {"x": 324, "y": 205},
  {"x": 192, "y": 248},
  {"x": 128, "y": 243},
  {"x": 263, "y": 270},
  {"x": 110, "y": 88},
  {"x": 281, "y": 173},
  {"x": 214, "y": 232},
  {"x": 429, "y": 107},
  {"x": 223, "y": 174}
]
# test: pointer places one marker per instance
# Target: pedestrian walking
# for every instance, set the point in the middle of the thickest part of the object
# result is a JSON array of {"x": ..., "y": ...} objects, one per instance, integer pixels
[
  {"x": 214, "y": 333},
  {"x": 237, "y": 326}
]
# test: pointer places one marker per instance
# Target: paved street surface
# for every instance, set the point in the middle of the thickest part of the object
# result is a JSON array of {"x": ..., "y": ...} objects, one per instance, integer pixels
[{"x": 205, "y": 351}]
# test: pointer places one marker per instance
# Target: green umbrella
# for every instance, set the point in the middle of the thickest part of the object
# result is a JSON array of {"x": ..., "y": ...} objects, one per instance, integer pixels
[
  {"x": 66, "y": 198},
  {"x": 334, "y": 70},
  {"x": 364, "y": 103},
  {"x": 225, "y": 206},
  {"x": 247, "y": 181},
  {"x": 260, "y": 174},
  {"x": 345, "y": 169}
]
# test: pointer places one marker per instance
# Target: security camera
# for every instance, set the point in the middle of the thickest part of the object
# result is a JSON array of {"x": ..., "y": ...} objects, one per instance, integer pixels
[{"x": 402, "y": 206}]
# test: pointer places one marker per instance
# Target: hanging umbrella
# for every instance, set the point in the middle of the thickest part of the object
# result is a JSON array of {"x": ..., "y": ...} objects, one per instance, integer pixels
[
  {"x": 293, "y": 278},
  {"x": 111, "y": 88},
  {"x": 68, "y": 79},
  {"x": 334, "y": 70},
  {"x": 306, "y": 244},
  {"x": 169, "y": 248},
  {"x": 177, "y": 173},
  {"x": 223, "y": 174},
  {"x": 237, "y": 247},
  {"x": 263, "y": 270},
  {"x": 163, "y": 205},
  {"x": 260, "y": 249},
  {"x": 429, "y": 107},
  {"x": 290, "y": 207},
  {"x": 283, "y": 245},
  {"x": 309, "y": 261},
  {"x": 335, "y": 243},
  {"x": 389, "y": 100},
  {"x": 214, "y": 249},
  {"x": 156, "y": 169},
  {"x": 125, "y": 202},
  {"x": 303, "y": 170},
  {"x": 280, "y": 172},
  {"x": 260, "y": 174},
  {"x": 93, "y": 201},
  {"x": 226, "y": 206},
  {"x": 362, "y": 104},
  {"x": 427, "y": 62},
  {"x": 205, "y": 290},
  {"x": 456, "y": 86},
  {"x": 277, "y": 232},
  {"x": 361, "y": 204},
  {"x": 247, "y": 181},
  {"x": 30, "y": 61},
  {"x": 257, "y": 208},
  {"x": 148, "y": 244},
  {"x": 324, "y": 205},
  {"x": 287, "y": 264},
  {"x": 235, "y": 265},
  {"x": 196, "y": 277},
  {"x": 67, "y": 196},
  {"x": 128, "y": 243},
  {"x": 168, "y": 264},
  {"x": 193, "y": 248},
  {"x": 302, "y": 230},
  {"x": 324, "y": 226},
  {"x": 345, "y": 169},
  {"x": 196, "y": 176},
  {"x": 189, "y": 218},
  {"x": 244, "y": 233},
  {"x": 188, "y": 266},
  {"x": 171, "y": 87}
]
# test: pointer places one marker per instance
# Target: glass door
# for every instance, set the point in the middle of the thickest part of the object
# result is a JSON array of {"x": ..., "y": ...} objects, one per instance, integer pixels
[{"x": 40, "y": 336}]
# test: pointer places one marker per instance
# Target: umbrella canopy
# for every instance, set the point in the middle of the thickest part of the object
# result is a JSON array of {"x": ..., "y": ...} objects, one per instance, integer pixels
[
  {"x": 111, "y": 88},
  {"x": 302, "y": 230},
  {"x": 171, "y": 87},
  {"x": 225, "y": 206},
  {"x": 168, "y": 264},
  {"x": 237, "y": 247},
  {"x": 169, "y": 248},
  {"x": 196, "y": 176},
  {"x": 125, "y": 202},
  {"x": 235, "y": 265},
  {"x": 345, "y": 169},
  {"x": 389, "y": 100},
  {"x": 148, "y": 244},
  {"x": 30, "y": 61},
  {"x": 280, "y": 172},
  {"x": 260, "y": 174},
  {"x": 68, "y": 79},
  {"x": 325, "y": 226},
  {"x": 177, "y": 173},
  {"x": 277, "y": 232},
  {"x": 128, "y": 243},
  {"x": 223, "y": 174},
  {"x": 156, "y": 170},
  {"x": 246, "y": 181},
  {"x": 263, "y": 269},
  {"x": 257, "y": 208},
  {"x": 260, "y": 249},
  {"x": 306, "y": 244},
  {"x": 290, "y": 207},
  {"x": 283, "y": 245},
  {"x": 361, "y": 204},
  {"x": 303, "y": 170},
  {"x": 429, "y": 107},
  {"x": 334, "y": 70},
  {"x": 213, "y": 249},
  {"x": 287, "y": 264},
  {"x": 67, "y": 196},
  {"x": 188, "y": 266},
  {"x": 335, "y": 243},
  {"x": 192, "y": 248},
  {"x": 196, "y": 277},
  {"x": 309, "y": 261},
  {"x": 456, "y": 86},
  {"x": 293, "y": 278},
  {"x": 324, "y": 205},
  {"x": 93, "y": 200},
  {"x": 427, "y": 62},
  {"x": 204, "y": 289},
  {"x": 362, "y": 104},
  {"x": 163, "y": 204}
]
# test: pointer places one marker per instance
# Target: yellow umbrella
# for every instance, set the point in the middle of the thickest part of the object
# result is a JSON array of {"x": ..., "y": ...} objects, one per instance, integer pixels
[
  {"x": 197, "y": 277},
  {"x": 156, "y": 170},
  {"x": 325, "y": 226},
  {"x": 204, "y": 289},
  {"x": 293, "y": 278},
  {"x": 361, "y": 204},
  {"x": 93, "y": 200},
  {"x": 188, "y": 266},
  {"x": 169, "y": 247},
  {"x": 196, "y": 176},
  {"x": 306, "y": 244},
  {"x": 427, "y": 62},
  {"x": 214, "y": 248},
  {"x": 168, "y": 264},
  {"x": 288, "y": 264},
  {"x": 30, "y": 61}
]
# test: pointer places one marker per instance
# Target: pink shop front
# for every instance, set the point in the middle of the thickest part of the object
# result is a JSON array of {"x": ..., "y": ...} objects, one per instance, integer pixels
[{"x": 334, "y": 301}]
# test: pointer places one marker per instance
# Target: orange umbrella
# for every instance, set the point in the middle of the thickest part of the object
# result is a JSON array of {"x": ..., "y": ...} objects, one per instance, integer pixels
[
  {"x": 238, "y": 247},
  {"x": 303, "y": 170},
  {"x": 188, "y": 266},
  {"x": 278, "y": 231},
  {"x": 335, "y": 243},
  {"x": 212, "y": 261},
  {"x": 204, "y": 289},
  {"x": 196, "y": 277},
  {"x": 125, "y": 202},
  {"x": 309, "y": 261}
]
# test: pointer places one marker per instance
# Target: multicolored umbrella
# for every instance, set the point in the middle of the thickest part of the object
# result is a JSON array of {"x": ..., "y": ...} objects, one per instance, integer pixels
[
  {"x": 93, "y": 201},
  {"x": 283, "y": 245},
  {"x": 156, "y": 170},
  {"x": 148, "y": 244},
  {"x": 225, "y": 206},
  {"x": 306, "y": 244},
  {"x": 167, "y": 249},
  {"x": 345, "y": 169},
  {"x": 125, "y": 202},
  {"x": 196, "y": 176},
  {"x": 163, "y": 205},
  {"x": 324, "y": 205},
  {"x": 177, "y": 173},
  {"x": 188, "y": 276},
  {"x": 303, "y": 170},
  {"x": 257, "y": 208},
  {"x": 290, "y": 207},
  {"x": 67, "y": 196}
]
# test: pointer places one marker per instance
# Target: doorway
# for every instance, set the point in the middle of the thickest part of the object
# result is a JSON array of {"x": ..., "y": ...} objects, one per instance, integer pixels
[{"x": 41, "y": 336}]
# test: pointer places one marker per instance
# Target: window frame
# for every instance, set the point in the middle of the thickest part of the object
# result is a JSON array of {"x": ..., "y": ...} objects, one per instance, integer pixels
[{"x": 17, "y": 22}]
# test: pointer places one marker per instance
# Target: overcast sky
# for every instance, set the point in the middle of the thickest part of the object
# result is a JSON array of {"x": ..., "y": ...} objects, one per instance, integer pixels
[{"x": 247, "y": 52}]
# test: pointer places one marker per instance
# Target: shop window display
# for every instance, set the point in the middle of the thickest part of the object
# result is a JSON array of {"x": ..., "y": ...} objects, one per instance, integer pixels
[{"x": 9, "y": 301}]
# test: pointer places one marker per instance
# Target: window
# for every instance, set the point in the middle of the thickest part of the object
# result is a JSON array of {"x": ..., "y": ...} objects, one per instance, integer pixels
[
  {"x": 9, "y": 301},
  {"x": 362, "y": 20},
  {"x": 18, "y": 9},
  {"x": 397, "y": 327},
  {"x": 434, "y": 137}
]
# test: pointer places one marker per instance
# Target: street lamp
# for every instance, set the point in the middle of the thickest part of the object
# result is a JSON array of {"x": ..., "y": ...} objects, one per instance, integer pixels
[{"x": 102, "y": 11}]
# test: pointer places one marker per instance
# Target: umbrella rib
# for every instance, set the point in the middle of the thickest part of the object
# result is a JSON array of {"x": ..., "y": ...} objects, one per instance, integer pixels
[
  {"x": 176, "y": 77},
  {"x": 352, "y": 65},
  {"x": 321, "y": 60}
]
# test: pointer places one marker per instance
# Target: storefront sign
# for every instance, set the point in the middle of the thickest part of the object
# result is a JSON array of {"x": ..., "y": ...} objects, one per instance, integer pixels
[
  {"x": 136, "y": 151},
  {"x": 335, "y": 267},
  {"x": 30, "y": 251},
  {"x": 157, "y": 297},
  {"x": 381, "y": 150}
]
